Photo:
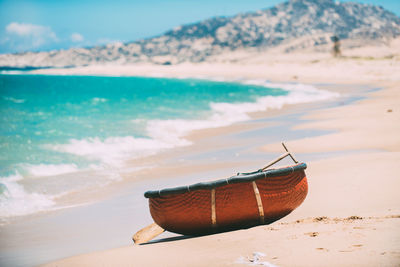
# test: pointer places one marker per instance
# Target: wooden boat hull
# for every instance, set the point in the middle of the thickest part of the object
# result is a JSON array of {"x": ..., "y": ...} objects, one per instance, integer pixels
[{"x": 231, "y": 203}]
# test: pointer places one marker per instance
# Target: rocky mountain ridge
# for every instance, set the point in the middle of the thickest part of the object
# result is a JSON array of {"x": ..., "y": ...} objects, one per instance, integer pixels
[{"x": 294, "y": 25}]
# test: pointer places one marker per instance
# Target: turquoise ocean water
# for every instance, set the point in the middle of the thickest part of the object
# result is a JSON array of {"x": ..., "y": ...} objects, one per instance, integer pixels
[{"x": 65, "y": 133}]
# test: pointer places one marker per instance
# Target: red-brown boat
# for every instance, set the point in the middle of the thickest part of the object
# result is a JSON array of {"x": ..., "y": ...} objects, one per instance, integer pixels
[{"x": 241, "y": 201}]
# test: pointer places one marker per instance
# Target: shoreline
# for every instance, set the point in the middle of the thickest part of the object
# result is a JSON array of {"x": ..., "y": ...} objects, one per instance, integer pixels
[
  {"x": 183, "y": 165},
  {"x": 330, "y": 242},
  {"x": 380, "y": 163},
  {"x": 305, "y": 68},
  {"x": 191, "y": 136},
  {"x": 252, "y": 238}
]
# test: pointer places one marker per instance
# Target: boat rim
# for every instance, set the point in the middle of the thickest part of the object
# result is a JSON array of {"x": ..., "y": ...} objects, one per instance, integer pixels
[{"x": 239, "y": 178}]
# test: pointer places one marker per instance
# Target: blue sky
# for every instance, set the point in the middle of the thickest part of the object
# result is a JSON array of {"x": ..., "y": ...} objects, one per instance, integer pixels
[{"x": 35, "y": 25}]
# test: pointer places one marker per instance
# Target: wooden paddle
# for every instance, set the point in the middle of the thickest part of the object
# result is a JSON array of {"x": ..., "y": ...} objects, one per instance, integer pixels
[
  {"x": 288, "y": 153},
  {"x": 148, "y": 233}
]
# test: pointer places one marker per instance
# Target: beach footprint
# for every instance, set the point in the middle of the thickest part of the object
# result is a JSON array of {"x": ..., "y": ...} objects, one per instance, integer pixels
[{"x": 312, "y": 234}]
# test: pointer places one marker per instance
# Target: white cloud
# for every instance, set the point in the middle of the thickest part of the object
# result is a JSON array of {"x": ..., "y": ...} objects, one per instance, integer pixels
[
  {"x": 23, "y": 29},
  {"x": 24, "y": 36},
  {"x": 76, "y": 37}
]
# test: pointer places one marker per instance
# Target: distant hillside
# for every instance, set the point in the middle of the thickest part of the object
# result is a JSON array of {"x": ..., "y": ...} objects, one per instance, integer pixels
[{"x": 294, "y": 25}]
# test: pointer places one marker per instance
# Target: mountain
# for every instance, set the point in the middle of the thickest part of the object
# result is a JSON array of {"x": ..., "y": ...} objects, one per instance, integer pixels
[{"x": 295, "y": 25}]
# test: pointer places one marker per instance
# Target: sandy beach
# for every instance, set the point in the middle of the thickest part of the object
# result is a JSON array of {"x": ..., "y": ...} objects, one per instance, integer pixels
[
  {"x": 351, "y": 216},
  {"x": 145, "y": 133}
]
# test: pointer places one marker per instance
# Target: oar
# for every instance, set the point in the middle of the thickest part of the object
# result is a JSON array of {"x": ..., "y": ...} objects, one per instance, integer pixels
[
  {"x": 148, "y": 233},
  {"x": 288, "y": 153}
]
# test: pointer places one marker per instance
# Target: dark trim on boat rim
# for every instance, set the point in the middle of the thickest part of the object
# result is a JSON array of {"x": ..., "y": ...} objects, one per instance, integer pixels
[{"x": 240, "y": 178}]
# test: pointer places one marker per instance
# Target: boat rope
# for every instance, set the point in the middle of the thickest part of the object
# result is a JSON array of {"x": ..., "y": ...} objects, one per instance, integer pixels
[
  {"x": 259, "y": 202},
  {"x": 213, "y": 211}
]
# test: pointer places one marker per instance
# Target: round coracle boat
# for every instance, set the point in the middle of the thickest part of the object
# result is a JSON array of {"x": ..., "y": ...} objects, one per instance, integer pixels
[{"x": 241, "y": 201}]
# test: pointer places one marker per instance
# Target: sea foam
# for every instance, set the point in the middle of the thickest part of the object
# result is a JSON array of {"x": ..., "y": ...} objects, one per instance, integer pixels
[
  {"x": 110, "y": 154},
  {"x": 16, "y": 201},
  {"x": 42, "y": 170},
  {"x": 224, "y": 114},
  {"x": 14, "y": 100},
  {"x": 166, "y": 134},
  {"x": 112, "y": 150}
]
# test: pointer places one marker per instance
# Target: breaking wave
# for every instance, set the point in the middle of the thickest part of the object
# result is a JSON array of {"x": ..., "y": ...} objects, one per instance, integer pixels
[
  {"x": 166, "y": 134},
  {"x": 15, "y": 200}
]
